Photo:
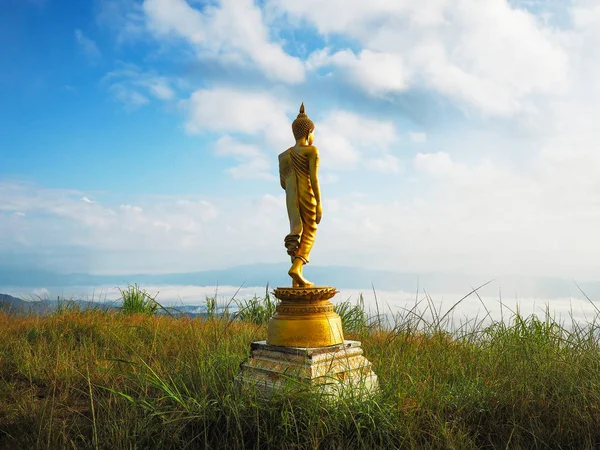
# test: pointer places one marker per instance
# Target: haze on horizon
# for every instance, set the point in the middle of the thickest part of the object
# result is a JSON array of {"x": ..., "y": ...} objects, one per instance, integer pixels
[{"x": 455, "y": 136}]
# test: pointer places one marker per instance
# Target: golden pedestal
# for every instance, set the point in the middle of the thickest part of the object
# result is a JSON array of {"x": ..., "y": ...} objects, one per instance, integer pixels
[
  {"x": 305, "y": 348},
  {"x": 305, "y": 318}
]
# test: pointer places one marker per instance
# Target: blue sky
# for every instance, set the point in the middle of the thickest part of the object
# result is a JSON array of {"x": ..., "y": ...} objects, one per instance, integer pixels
[
  {"x": 62, "y": 127},
  {"x": 142, "y": 136}
]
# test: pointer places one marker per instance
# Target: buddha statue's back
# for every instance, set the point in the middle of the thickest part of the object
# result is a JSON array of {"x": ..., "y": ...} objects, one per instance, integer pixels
[{"x": 298, "y": 168}]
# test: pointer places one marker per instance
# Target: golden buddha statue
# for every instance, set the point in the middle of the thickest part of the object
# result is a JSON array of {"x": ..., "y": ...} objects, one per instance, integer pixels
[
  {"x": 305, "y": 346},
  {"x": 298, "y": 170},
  {"x": 305, "y": 317}
]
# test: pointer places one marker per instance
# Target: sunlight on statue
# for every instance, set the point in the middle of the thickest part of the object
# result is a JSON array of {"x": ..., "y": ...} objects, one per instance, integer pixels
[
  {"x": 305, "y": 323},
  {"x": 298, "y": 168}
]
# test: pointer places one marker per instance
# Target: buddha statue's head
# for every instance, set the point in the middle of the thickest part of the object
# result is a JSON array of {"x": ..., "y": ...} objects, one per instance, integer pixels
[{"x": 303, "y": 127}]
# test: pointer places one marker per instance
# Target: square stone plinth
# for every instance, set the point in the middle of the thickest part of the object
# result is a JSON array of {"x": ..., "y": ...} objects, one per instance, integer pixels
[{"x": 332, "y": 369}]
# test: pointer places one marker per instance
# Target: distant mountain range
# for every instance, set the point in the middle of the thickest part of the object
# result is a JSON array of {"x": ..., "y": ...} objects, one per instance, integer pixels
[
  {"x": 341, "y": 277},
  {"x": 16, "y": 306},
  {"x": 248, "y": 275}
]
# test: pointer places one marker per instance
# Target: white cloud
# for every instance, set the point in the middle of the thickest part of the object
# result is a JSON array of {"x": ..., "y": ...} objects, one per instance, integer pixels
[
  {"x": 88, "y": 46},
  {"x": 41, "y": 293},
  {"x": 229, "y": 110},
  {"x": 586, "y": 15},
  {"x": 328, "y": 178},
  {"x": 87, "y": 200},
  {"x": 340, "y": 16},
  {"x": 345, "y": 138},
  {"x": 484, "y": 55},
  {"x": 125, "y": 18},
  {"x": 62, "y": 218},
  {"x": 130, "y": 98},
  {"x": 253, "y": 162},
  {"x": 336, "y": 150},
  {"x": 440, "y": 165},
  {"x": 159, "y": 87},
  {"x": 269, "y": 204},
  {"x": 375, "y": 72},
  {"x": 134, "y": 87},
  {"x": 235, "y": 29},
  {"x": 418, "y": 137},
  {"x": 386, "y": 164},
  {"x": 132, "y": 208},
  {"x": 541, "y": 223}
]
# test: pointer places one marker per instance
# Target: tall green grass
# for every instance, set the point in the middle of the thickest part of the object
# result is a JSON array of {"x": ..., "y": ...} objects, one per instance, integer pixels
[
  {"x": 257, "y": 310},
  {"x": 98, "y": 379},
  {"x": 354, "y": 317},
  {"x": 138, "y": 301}
]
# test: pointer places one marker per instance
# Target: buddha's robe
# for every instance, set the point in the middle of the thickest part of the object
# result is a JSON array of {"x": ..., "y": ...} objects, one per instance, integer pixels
[{"x": 300, "y": 201}]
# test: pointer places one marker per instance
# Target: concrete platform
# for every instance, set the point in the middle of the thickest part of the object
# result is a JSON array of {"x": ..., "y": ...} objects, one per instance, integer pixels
[{"x": 335, "y": 369}]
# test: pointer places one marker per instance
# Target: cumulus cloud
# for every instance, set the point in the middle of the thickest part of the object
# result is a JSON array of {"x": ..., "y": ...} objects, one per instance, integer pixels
[
  {"x": 229, "y": 110},
  {"x": 234, "y": 29},
  {"x": 485, "y": 55},
  {"x": 346, "y": 138},
  {"x": 375, "y": 72}
]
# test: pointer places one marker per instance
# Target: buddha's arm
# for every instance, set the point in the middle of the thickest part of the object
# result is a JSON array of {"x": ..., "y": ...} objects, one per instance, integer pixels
[
  {"x": 313, "y": 167},
  {"x": 281, "y": 177},
  {"x": 282, "y": 181}
]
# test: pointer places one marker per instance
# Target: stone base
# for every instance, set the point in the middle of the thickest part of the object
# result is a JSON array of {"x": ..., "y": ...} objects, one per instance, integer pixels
[{"x": 339, "y": 369}]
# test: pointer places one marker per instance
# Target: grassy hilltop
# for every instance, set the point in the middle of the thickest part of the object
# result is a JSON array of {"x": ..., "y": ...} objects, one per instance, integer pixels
[{"x": 105, "y": 379}]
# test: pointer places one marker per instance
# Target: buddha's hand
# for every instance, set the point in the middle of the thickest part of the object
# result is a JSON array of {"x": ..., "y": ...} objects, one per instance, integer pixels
[{"x": 319, "y": 212}]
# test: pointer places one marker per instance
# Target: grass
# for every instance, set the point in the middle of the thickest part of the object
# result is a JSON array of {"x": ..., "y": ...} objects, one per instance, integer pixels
[
  {"x": 102, "y": 379},
  {"x": 137, "y": 301},
  {"x": 257, "y": 310}
]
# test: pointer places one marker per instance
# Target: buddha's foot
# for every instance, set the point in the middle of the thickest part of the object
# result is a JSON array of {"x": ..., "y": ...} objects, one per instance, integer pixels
[{"x": 298, "y": 279}]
